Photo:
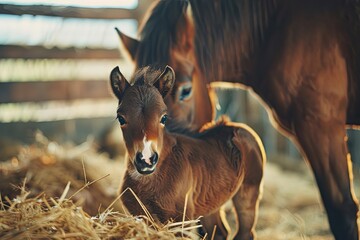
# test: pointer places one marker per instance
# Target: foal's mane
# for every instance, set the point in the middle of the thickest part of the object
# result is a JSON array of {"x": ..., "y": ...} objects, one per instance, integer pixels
[
  {"x": 158, "y": 32},
  {"x": 146, "y": 75}
]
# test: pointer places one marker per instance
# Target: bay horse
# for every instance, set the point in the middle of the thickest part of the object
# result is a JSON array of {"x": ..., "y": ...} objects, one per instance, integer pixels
[
  {"x": 222, "y": 162},
  {"x": 301, "y": 57},
  {"x": 167, "y": 48}
]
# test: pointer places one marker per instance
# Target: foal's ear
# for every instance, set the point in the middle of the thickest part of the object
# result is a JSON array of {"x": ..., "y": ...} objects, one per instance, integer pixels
[
  {"x": 129, "y": 44},
  {"x": 118, "y": 83},
  {"x": 165, "y": 81}
]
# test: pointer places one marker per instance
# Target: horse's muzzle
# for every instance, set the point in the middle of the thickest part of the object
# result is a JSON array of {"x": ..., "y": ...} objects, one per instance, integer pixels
[{"x": 142, "y": 166}]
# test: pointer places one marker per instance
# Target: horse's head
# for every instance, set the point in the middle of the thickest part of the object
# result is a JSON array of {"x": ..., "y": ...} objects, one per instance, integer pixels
[
  {"x": 166, "y": 37},
  {"x": 181, "y": 101},
  {"x": 142, "y": 113}
]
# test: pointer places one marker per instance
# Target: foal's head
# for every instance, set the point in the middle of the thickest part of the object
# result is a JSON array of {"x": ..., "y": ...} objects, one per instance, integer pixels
[{"x": 142, "y": 113}]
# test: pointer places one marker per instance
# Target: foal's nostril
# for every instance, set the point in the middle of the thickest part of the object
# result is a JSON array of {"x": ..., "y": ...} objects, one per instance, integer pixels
[
  {"x": 154, "y": 158},
  {"x": 139, "y": 157}
]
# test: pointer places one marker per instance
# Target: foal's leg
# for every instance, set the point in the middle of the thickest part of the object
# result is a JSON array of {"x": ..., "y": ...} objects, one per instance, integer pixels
[
  {"x": 325, "y": 147},
  {"x": 214, "y": 220},
  {"x": 246, "y": 200}
]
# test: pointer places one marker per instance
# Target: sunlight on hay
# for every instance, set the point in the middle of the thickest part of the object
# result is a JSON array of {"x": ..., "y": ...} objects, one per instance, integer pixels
[
  {"x": 48, "y": 166},
  {"x": 44, "y": 217},
  {"x": 65, "y": 185}
]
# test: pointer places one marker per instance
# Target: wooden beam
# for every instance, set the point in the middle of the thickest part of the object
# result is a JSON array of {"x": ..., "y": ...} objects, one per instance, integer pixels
[
  {"x": 39, "y": 52},
  {"x": 61, "y": 131},
  {"x": 15, "y": 92},
  {"x": 69, "y": 12}
]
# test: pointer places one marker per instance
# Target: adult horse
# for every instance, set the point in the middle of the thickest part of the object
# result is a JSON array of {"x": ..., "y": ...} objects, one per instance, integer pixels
[
  {"x": 302, "y": 58},
  {"x": 163, "y": 43}
]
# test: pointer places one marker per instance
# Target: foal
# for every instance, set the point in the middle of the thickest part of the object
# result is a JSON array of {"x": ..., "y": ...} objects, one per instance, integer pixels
[{"x": 222, "y": 162}]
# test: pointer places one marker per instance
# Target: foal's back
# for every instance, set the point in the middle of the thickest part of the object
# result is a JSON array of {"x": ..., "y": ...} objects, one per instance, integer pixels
[{"x": 218, "y": 161}]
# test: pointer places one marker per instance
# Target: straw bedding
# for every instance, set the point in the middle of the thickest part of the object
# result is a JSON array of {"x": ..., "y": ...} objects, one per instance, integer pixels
[
  {"x": 58, "y": 192},
  {"x": 49, "y": 191},
  {"x": 43, "y": 217}
]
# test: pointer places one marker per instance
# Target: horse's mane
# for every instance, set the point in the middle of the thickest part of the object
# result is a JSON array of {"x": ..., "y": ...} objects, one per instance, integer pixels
[
  {"x": 228, "y": 32},
  {"x": 159, "y": 31},
  {"x": 182, "y": 127}
]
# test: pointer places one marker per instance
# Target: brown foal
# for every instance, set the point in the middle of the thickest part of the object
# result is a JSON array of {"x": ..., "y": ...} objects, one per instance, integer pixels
[{"x": 224, "y": 161}]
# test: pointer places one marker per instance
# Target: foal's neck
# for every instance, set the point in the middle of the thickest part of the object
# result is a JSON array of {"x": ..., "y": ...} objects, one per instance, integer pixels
[{"x": 169, "y": 141}]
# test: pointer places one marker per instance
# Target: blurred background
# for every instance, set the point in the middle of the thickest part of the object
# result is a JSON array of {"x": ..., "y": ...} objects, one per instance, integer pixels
[{"x": 55, "y": 58}]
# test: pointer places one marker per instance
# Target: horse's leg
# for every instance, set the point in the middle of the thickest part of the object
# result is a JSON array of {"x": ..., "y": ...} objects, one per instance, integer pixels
[
  {"x": 246, "y": 200},
  {"x": 214, "y": 221},
  {"x": 324, "y": 144},
  {"x": 309, "y": 95}
]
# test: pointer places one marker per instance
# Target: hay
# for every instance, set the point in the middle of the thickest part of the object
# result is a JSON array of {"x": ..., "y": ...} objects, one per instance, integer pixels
[
  {"x": 72, "y": 196},
  {"x": 45, "y": 217},
  {"x": 48, "y": 167}
]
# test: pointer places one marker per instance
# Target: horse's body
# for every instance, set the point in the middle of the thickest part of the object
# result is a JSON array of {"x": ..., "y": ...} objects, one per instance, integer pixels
[
  {"x": 302, "y": 58},
  {"x": 222, "y": 162}
]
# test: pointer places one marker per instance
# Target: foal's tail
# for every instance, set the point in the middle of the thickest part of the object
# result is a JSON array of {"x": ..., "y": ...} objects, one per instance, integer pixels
[
  {"x": 252, "y": 151},
  {"x": 246, "y": 200}
]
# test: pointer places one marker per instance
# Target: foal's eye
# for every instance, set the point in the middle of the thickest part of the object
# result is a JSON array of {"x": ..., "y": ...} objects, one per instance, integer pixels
[
  {"x": 163, "y": 119},
  {"x": 121, "y": 120}
]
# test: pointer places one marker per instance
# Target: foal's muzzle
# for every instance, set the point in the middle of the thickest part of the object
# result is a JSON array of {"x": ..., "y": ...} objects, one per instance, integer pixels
[{"x": 142, "y": 166}]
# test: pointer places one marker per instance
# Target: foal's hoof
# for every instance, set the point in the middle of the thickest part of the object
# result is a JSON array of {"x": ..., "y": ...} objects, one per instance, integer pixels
[{"x": 146, "y": 167}]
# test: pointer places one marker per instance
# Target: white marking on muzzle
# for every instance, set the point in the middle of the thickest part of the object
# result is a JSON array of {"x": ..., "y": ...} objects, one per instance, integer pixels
[{"x": 146, "y": 152}]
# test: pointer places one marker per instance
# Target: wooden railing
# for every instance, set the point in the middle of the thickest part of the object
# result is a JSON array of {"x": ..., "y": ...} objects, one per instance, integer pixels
[
  {"x": 74, "y": 12},
  {"x": 40, "y": 52},
  {"x": 20, "y": 92},
  {"x": 17, "y": 92}
]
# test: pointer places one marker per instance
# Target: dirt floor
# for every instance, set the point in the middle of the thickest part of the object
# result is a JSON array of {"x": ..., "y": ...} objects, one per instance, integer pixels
[{"x": 290, "y": 207}]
